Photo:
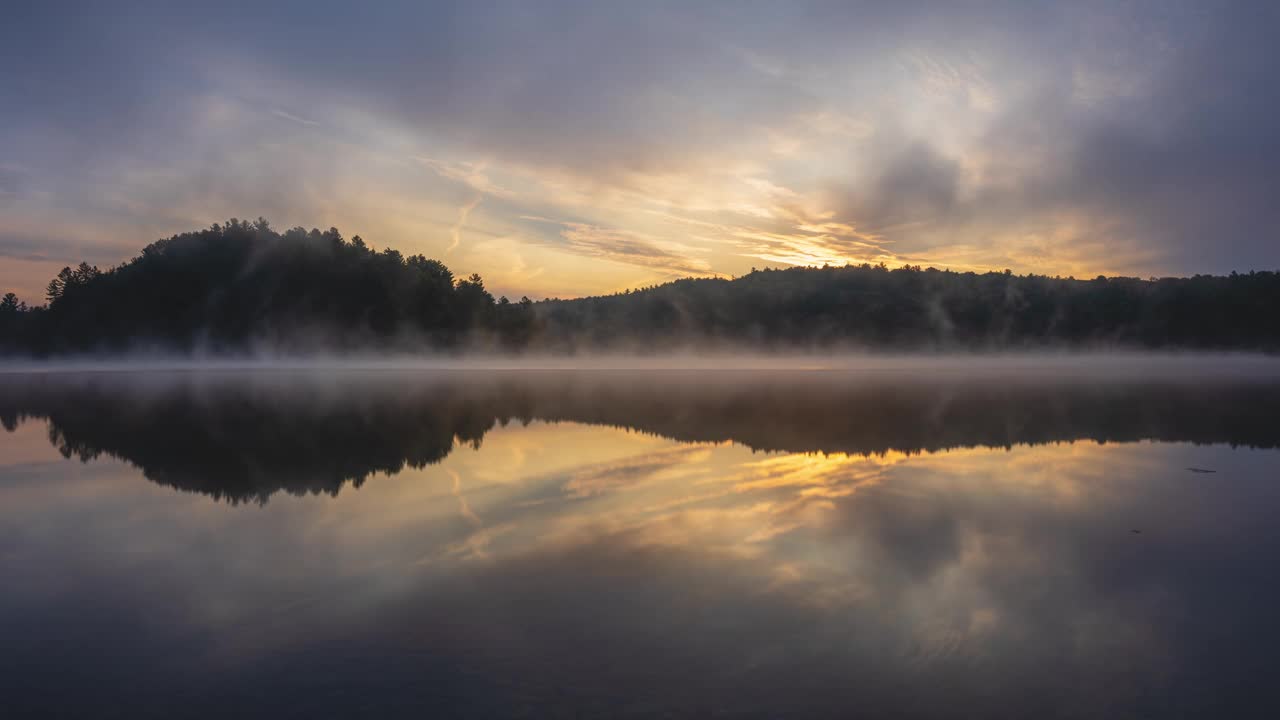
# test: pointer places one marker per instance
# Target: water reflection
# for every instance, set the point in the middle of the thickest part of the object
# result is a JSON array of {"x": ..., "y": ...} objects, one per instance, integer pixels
[
  {"x": 246, "y": 436},
  {"x": 524, "y": 551}
]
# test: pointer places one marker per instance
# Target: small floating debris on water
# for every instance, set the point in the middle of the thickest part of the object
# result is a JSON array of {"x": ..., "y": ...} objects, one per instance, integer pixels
[
  {"x": 1136, "y": 531},
  {"x": 1201, "y": 470}
]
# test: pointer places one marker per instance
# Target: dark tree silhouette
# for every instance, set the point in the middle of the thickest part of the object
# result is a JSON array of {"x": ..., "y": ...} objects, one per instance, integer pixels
[
  {"x": 867, "y": 306},
  {"x": 243, "y": 285}
]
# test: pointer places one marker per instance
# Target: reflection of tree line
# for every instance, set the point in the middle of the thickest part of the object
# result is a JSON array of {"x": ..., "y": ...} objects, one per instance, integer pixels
[
  {"x": 246, "y": 441},
  {"x": 244, "y": 438}
]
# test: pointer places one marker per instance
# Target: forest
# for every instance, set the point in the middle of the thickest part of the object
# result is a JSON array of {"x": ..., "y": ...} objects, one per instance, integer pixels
[{"x": 244, "y": 287}]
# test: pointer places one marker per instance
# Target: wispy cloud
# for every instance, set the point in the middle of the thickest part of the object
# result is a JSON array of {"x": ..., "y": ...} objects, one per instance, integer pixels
[
  {"x": 294, "y": 118},
  {"x": 631, "y": 248},
  {"x": 472, "y": 175},
  {"x": 455, "y": 232}
]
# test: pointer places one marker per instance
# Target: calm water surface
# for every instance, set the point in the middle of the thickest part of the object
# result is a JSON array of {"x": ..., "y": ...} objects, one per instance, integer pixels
[{"x": 501, "y": 544}]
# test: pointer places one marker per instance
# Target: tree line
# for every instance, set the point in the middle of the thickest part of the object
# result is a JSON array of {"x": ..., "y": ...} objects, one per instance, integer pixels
[
  {"x": 914, "y": 308},
  {"x": 242, "y": 286}
]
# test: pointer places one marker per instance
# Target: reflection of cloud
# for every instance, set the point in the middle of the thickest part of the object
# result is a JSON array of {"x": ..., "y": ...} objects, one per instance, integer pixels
[
  {"x": 1010, "y": 574},
  {"x": 934, "y": 556},
  {"x": 617, "y": 474},
  {"x": 476, "y": 544},
  {"x": 812, "y": 474},
  {"x": 463, "y": 506}
]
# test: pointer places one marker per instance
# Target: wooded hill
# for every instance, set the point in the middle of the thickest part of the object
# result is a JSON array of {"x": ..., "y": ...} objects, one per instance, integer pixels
[{"x": 242, "y": 286}]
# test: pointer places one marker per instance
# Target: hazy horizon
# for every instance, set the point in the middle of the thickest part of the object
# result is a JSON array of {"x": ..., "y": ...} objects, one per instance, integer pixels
[{"x": 1096, "y": 365}]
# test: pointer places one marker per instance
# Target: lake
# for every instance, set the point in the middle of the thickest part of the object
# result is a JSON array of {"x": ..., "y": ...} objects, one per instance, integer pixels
[{"x": 890, "y": 542}]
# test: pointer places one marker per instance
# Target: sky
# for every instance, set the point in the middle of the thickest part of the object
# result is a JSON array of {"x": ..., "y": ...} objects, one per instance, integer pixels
[{"x": 563, "y": 149}]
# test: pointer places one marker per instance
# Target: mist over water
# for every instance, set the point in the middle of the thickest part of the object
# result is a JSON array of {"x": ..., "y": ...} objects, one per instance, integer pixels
[
  {"x": 760, "y": 536},
  {"x": 1095, "y": 365}
]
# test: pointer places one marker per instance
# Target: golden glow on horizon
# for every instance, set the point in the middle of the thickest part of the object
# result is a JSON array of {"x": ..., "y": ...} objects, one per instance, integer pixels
[{"x": 545, "y": 231}]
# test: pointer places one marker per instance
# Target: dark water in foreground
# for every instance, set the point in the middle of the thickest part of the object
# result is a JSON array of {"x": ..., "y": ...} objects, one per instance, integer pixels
[{"x": 616, "y": 544}]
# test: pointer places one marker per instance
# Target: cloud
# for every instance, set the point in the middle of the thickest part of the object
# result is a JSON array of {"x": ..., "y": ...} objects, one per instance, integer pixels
[
  {"x": 625, "y": 247},
  {"x": 10, "y": 181},
  {"x": 455, "y": 232},
  {"x": 686, "y": 139},
  {"x": 65, "y": 249},
  {"x": 470, "y": 174},
  {"x": 294, "y": 118},
  {"x": 916, "y": 184}
]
